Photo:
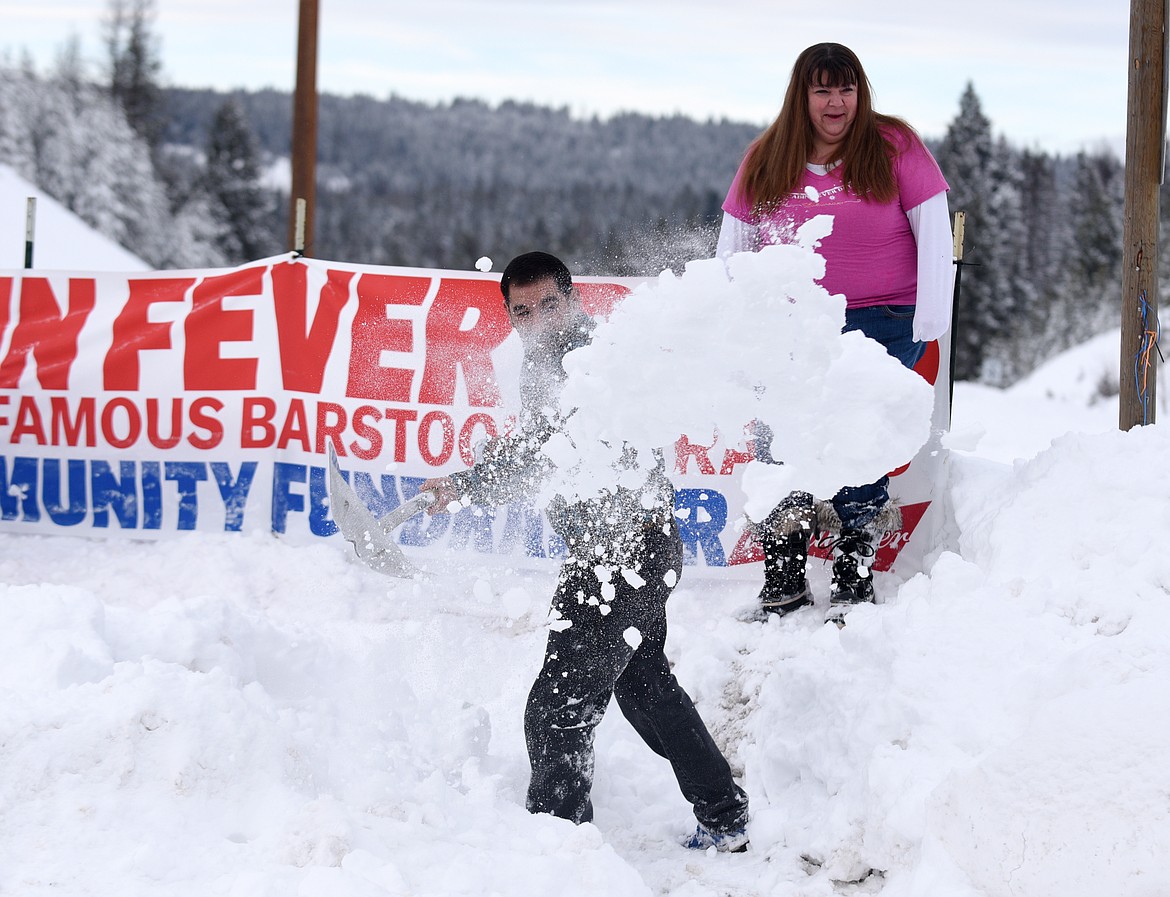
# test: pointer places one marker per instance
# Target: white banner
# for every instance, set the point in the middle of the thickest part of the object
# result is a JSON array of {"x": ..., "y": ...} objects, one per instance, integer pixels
[{"x": 147, "y": 405}]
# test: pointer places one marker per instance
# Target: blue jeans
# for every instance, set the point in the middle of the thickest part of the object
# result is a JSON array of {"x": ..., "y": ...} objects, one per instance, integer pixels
[{"x": 892, "y": 326}]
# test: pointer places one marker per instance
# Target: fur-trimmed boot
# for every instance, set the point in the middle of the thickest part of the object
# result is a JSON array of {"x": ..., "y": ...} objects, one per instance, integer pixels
[
  {"x": 784, "y": 537},
  {"x": 853, "y": 554}
]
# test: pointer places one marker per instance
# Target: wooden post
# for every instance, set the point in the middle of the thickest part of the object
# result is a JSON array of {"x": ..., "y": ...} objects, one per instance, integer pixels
[
  {"x": 304, "y": 134},
  {"x": 1144, "y": 145},
  {"x": 30, "y": 230},
  {"x": 958, "y": 233},
  {"x": 298, "y": 243}
]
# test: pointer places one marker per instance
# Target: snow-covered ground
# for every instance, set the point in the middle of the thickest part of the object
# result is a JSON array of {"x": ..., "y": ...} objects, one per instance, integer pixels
[{"x": 237, "y": 716}]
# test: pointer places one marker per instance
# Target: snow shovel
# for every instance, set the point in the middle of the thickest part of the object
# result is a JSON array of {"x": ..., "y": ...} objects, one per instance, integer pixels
[{"x": 372, "y": 538}]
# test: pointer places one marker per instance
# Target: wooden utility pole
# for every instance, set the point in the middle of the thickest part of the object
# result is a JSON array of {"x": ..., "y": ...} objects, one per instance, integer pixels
[
  {"x": 1145, "y": 138},
  {"x": 304, "y": 134}
]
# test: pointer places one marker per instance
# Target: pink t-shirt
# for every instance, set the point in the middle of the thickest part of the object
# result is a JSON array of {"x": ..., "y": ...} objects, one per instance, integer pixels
[{"x": 871, "y": 255}]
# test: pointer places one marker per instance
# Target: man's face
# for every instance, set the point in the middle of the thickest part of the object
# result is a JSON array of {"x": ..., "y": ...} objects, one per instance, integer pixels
[{"x": 539, "y": 309}]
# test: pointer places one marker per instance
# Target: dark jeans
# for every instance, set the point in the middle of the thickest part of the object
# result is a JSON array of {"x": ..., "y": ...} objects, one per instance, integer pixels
[{"x": 593, "y": 658}]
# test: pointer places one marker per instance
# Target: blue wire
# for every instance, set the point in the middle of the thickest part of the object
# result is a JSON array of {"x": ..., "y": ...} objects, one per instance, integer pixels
[{"x": 1143, "y": 353}]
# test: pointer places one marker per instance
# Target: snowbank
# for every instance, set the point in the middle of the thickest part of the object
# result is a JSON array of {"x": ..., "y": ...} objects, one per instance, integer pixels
[{"x": 236, "y": 716}]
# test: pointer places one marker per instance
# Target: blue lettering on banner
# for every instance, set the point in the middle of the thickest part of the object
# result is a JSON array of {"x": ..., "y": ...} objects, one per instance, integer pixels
[
  {"x": 286, "y": 501},
  {"x": 145, "y": 495},
  {"x": 380, "y": 499},
  {"x": 152, "y": 501},
  {"x": 186, "y": 477},
  {"x": 18, "y": 494},
  {"x": 473, "y": 525},
  {"x": 119, "y": 493},
  {"x": 283, "y": 498},
  {"x": 702, "y": 515},
  {"x": 320, "y": 521},
  {"x": 128, "y": 492},
  {"x": 234, "y": 492},
  {"x": 58, "y": 512}
]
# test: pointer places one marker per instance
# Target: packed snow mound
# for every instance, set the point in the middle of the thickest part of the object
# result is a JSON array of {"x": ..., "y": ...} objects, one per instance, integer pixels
[
  {"x": 706, "y": 354},
  {"x": 231, "y": 714}
]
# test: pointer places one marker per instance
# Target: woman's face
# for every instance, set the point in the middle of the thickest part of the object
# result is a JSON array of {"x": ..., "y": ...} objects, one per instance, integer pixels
[{"x": 831, "y": 110}]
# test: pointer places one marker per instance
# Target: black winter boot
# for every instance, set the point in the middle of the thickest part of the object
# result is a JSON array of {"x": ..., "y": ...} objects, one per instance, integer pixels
[
  {"x": 785, "y": 586},
  {"x": 853, "y": 552},
  {"x": 784, "y": 538}
]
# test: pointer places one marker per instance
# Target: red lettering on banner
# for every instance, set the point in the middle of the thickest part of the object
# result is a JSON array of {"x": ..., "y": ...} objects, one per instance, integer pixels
[
  {"x": 304, "y": 348},
  {"x": 731, "y": 457},
  {"x": 327, "y": 430},
  {"x": 51, "y": 337},
  {"x": 375, "y": 332},
  {"x": 209, "y": 325},
  {"x": 747, "y": 550},
  {"x": 133, "y": 332},
  {"x": 296, "y": 426},
  {"x": 28, "y": 422},
  {"x": 400, "y": 416},
  {"x": 120, "y": 422},
  {"x": 447, "y": 427},
  {"x": 209, "y": 422},
  {"x": 370, "y": 434},
  {"x": 599, "y": 298},
  {"x": 258, "y": 413},
  {"x": 153, "y": 420},
  {"x": 133, "y": 423},
  {"x": 465, "y": 433},
  {"x": 450, "y": 346},
  {"x": 4, "y": 419},
  {"x": 68, "y": 432},
  {"x": 684, "y": 450}
]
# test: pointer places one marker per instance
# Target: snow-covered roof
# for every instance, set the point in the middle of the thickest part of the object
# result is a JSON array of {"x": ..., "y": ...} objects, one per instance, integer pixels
[{"x": 62, "y": 240}]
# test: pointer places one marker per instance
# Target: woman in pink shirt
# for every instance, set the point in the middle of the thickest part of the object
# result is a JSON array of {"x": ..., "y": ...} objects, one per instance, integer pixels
[{"x": 889, "y": 253}]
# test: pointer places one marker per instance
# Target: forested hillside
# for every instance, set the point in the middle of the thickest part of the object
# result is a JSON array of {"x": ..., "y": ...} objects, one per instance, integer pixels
[{"x": 406, "y": 183}]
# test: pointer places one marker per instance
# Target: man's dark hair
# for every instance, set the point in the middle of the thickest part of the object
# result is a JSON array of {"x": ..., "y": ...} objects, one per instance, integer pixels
[{"x": 533, "y": 266}]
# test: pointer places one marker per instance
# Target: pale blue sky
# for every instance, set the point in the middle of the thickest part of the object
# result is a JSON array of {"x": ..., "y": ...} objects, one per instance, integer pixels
[{"x": 1050, "y": 76}]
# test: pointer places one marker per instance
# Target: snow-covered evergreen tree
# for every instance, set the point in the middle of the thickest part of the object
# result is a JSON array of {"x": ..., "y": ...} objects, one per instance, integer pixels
[
  {"x": 233, "y": 186},
  {"x": 1092, "y": 265},
  {"x": 17, "y": 99},
  {"x": 135, "y": 66},
  {"x": 1004, "y": 283},
  {"x": 966, "y": 158},
  {"x": 1046, "y": 229}
]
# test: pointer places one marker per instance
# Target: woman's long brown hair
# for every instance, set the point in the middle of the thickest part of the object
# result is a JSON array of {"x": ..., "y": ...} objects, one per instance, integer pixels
[{"x": 776, "y": 160}]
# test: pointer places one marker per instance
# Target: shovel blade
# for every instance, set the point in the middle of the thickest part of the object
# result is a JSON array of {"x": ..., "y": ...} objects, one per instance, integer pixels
[{"x": 372, "y": 540}]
